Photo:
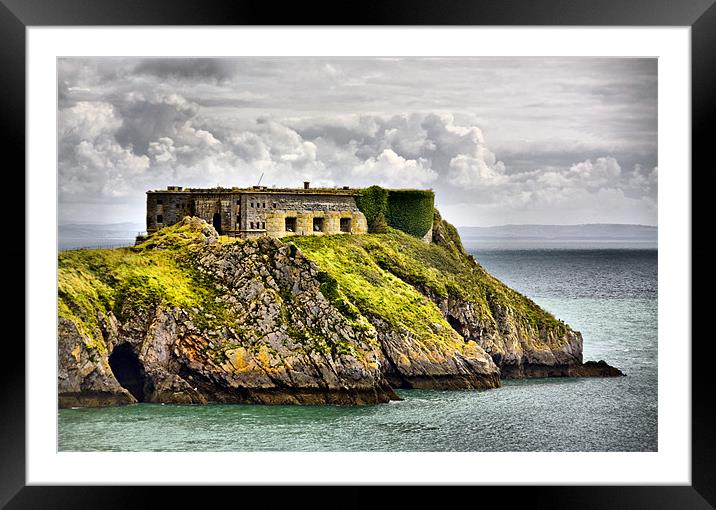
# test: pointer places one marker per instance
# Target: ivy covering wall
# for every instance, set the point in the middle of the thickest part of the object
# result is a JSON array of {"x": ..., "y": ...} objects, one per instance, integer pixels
[
  {"x": 408, "y": 210},
  {"x": 411, "y": 210},
  {"x": 373, "y": 203}
]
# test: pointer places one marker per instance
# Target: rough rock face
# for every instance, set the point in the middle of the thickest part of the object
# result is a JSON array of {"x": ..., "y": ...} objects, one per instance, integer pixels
[
  {"x": 264, "y": 332},
  {"x": 186, "y": 318},
  {"x": 407, "y": 365},
  {"x": 84, "y": 376},
  {"x": 519, "y": 349}
]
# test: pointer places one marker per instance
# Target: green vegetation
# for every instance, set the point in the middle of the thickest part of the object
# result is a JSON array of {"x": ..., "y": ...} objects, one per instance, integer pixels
[
  {"x": 411, "y": 210},
  {"x": 177, "y": 236},
  {"x": 373, "y": 203},
  {"x": 162, "y": 271},
  {"x": 393, "y": 276},
  {"x": 381, "y": 275},
  {"x": 129, "y": 281},
  {"x": 331, "y": 291},
  {"x": 446, "y": 235},
  {"x": 374, "y": 291}
]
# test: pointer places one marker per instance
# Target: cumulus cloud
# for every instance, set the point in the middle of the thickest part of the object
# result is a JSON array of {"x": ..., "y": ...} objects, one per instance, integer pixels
[
  {"x": 145, "y": 117},
  {"x": 410, "y": 150},
  {"x": 595, "y": 175},
  {"x": 137, "y": 125},
  {"x": 88, "y": 120},
  {"x": 101, "y": 168},
  {"x": 475, "y": 172},
  {"x": 163, "y": 150},
  {"x": 391, "y": 170}
]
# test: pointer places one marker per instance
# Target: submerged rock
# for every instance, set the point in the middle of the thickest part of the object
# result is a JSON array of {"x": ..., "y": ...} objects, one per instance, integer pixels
[{"x": 595, "y": 369}]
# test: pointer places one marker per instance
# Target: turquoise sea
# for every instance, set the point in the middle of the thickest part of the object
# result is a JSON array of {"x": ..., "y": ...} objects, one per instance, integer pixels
[{"x": 608, "y": 291}]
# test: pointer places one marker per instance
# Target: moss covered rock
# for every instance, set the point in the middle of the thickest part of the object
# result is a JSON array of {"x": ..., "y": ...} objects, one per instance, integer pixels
[
  {"x": 206, "y": 321},
  {"x": 184, "y": 317},
  {"x": 438, "y": 292}
]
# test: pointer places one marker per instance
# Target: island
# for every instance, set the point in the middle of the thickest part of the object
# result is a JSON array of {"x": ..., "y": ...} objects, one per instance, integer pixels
[{"x": 296, "y": 298}]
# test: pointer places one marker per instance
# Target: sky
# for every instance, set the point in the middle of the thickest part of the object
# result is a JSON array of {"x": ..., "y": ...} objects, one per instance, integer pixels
[{"x": 499, "y": 140}]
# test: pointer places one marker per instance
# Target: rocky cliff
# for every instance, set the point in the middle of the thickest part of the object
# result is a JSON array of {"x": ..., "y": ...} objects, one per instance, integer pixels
[{"x": 185, "y": 317}]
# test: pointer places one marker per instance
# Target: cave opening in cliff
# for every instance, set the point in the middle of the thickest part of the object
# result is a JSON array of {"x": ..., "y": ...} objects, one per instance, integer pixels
[
  {"x": 128, "y": 370},
  {"x": 454, "y": 323}
]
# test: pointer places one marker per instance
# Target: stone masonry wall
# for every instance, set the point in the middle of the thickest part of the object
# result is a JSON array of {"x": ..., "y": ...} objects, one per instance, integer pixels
[
  {"x": 205, "y": 207},
  {"x": 267, "y": 212},
  {"x": 253, "y": 214},
  {"x": 276, "y": 222},
  {"x": 164, "y": 209}
]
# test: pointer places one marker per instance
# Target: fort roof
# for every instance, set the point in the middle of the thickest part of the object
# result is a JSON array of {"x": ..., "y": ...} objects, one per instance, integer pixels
[{"x": 345, "y": 190}]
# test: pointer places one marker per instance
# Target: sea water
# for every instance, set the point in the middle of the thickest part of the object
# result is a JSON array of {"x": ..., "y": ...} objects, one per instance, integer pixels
[{"x": 608, "y": 291}]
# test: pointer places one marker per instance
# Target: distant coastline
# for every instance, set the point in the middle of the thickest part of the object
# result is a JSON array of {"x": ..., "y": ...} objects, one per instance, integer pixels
[
  {"x": 585, "y": 231},
  {"x": 586, "y": 236},
  {"x": 72, "y": 236},
  {"x": 592, "y": 235}
]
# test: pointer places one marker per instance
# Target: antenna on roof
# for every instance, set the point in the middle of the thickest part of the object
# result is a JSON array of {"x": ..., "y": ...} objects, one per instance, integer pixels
[{"x": 262, "y": 176}]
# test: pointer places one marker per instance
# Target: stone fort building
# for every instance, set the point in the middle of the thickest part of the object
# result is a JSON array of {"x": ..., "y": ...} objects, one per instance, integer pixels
[{"x": 259, "y": 210}]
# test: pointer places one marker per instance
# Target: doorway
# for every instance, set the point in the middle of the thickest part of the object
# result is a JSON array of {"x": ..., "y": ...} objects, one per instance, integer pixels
[{"x": 216, "y": 221}]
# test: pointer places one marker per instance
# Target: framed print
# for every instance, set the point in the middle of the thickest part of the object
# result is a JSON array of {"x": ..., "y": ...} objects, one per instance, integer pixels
[{"x": 424, "y": 249}]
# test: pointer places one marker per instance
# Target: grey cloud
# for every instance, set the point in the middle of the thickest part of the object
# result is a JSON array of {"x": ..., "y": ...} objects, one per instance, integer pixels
[
  {"x": 202, "y": 68},
  {"x": 496, "y": 138},
  {"x": 145, "y": 119}
]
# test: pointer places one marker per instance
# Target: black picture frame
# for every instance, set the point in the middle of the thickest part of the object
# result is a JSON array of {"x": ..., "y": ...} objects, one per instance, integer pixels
[{"x": 16, "y": 15}]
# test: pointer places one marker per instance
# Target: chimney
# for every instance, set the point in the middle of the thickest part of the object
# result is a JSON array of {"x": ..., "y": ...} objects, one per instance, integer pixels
[{"x": 306, "y": 184}]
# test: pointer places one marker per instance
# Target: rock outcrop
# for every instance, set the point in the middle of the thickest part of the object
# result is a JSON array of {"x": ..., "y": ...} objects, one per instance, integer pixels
[
  {"x": 85, "y": 378},
  {"x": 186, "y": 318},
  {"x": 523, "y": 340}
]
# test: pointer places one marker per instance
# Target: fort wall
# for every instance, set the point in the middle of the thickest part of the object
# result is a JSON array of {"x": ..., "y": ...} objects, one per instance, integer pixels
[{"x": 247, "y": 213}]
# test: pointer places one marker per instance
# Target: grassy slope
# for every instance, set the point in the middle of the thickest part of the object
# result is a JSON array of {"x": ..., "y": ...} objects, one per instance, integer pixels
[
  {"x": 132, "y": 280},
  {"x": 374, "y": 274},
  {"x": 379, "y": 273},
  {"x": 375, "y": 291}
]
